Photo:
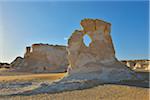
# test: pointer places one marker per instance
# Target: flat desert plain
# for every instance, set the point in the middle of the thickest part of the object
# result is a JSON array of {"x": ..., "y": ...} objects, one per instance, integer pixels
[
  {"x": 104, "y": 92},
  {"x": 101, "y": 92}
]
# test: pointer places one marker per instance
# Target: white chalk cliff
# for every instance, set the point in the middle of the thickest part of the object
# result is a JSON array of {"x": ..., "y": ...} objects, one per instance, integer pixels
[{"x": 42, "y": 58}]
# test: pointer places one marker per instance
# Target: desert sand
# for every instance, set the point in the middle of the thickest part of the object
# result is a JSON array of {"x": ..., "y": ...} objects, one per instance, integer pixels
[
  {"x": 23, "y": 82},
  {"x": 103, "y": 92}
]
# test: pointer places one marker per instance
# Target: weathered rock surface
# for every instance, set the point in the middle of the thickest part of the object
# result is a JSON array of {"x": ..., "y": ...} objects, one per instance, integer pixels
[
  {"x": 138, "y": 65},
  {"x": 100, "y": 49},
  {"x": 42, "y": 58},
  {"x": 97, "y": 61},
  {"x": 89, "y": 66},
  {"x": 4, "y": 65},
  {"x": 17, "y": 62}
]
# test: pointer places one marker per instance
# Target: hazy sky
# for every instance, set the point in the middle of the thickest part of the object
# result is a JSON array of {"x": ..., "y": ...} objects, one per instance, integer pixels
[{"x": 25, "y": 23}]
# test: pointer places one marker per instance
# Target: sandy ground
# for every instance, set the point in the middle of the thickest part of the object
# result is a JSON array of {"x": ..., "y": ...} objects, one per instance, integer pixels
[
  {"x": 31, "y": 77},
  {"x": 104, "y": 92},
  {"x": 17, "y": 82},
  {"x": 8, "y": 72},
  {"x": 23, "y": 82}
]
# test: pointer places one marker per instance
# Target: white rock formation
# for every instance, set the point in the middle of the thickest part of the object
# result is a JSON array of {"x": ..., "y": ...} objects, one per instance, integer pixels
[
  {"x": 130, "y": 64},
  {"x": 89, "y": 66},
  {"x": 97, "y": 61},
  {"x": 138, "y": 65},
  {"x": 16, "y": 63},
  {"x": 43, "y": 58}
]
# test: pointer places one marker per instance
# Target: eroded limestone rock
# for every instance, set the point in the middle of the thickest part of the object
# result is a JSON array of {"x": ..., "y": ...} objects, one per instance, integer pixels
[
  {"x": 17, "y": 62},
  {"x": 138, "y": 65},
  {"x": 89, "y": 66},
  {"x": 97, "y": 61},
  {"x": 42, "y": 58}
]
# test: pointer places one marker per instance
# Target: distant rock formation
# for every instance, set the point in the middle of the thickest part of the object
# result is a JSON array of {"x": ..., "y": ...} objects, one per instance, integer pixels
[
  {"x": 4, "y": 65},
  {"x": 42, "y": 58},
  {"x": 138, "y": 65},
  {"x": 16, "y": 63}
]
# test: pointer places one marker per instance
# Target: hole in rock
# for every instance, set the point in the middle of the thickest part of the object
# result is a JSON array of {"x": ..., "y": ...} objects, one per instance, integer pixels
[{"x": 87, "y": 40}]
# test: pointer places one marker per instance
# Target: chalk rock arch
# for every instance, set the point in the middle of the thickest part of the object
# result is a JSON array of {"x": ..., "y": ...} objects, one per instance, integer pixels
[
  {"x": 90, "y": 66},
  {"x": 100, "y": 50}
]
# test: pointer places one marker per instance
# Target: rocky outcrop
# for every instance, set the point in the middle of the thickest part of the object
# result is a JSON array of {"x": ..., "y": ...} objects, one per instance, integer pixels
[
  {"x": 97, "y": 61},
  {"x": 17, "y": 62},
  {"x": 99, "y": 50},
  {"x": 28, "y": 52},
  {"x": 90, "y": 66},
  {"x": 138, "y": 65},
  {"x": 4, "y": 65},
  {"x": 42, "y": 58}
]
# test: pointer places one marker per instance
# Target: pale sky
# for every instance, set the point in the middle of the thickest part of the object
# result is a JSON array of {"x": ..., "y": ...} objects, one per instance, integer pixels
[{"x": 25, "y": 23}]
